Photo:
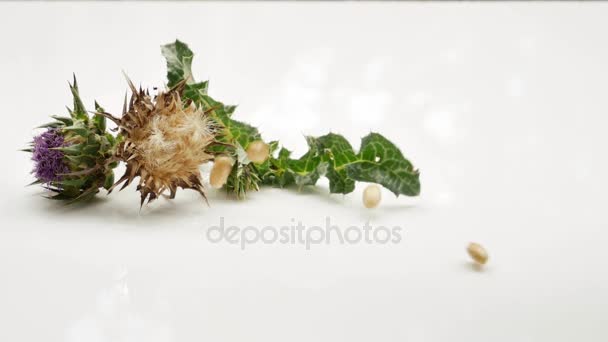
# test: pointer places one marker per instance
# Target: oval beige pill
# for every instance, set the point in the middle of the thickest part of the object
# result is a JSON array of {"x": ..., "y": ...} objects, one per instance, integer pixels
[
  {"x": 477, "y": 253},
  {"x": 220, "y": 171},
  {"x": 372, "y": 196},
  {"x": 258, "y": 151}
]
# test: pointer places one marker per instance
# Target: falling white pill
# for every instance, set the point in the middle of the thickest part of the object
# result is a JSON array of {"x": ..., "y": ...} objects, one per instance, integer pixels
[
  {"x": 258, "y": 151},
  {"x": 371, "y": 196},
  {"x": 220, "y": 171},
  {"x": 477, "y": 253}
]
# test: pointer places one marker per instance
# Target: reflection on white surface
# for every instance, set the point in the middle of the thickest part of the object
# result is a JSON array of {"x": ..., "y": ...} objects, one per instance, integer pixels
[
  {"x": 439, "y": 124},
  {"x": 114, "y": 317},
  {"x": 515, "y": 86},
  {"x": 376, "y": 70},
  {"x": 367, "y": 108},
  {"x": 299, "y": 95},
  {"x": 418, "y": 99},
  {"x": 453, "y": 56}
]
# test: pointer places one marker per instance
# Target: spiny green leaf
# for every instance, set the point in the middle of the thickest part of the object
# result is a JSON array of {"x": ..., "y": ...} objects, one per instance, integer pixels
[
  {"x": 85, "y": 195},
  {"x": 110, "y": 138},
  {"x": 65, "y": 120},
  {"x": 380, "y": 161},
  {"x": 37, "y": 181},
  {"x": 195, "y": 91},
  {"x": 109, "y": 180},
  {"x": 74, "y": 149},
  {"x": 278, "y": 173},
  {"x": 307, "y": 169},
  {"x": 179, "y": 62},
  {"x": 54, "y": 124},
  {"x": 79, "y": 111},
  {"x": 91, "y": 149},
  {"x": 75, "y": 182},
  {"x": 242, "y": 179},
  {"x": 60, "y": 197},
  {"x": 99, "y": 120},
  {"x": 337, "y": 151},
  {"x": 81, "y": 161},
  {"x": 233, "y": 131},
  {"x": 78, "y": 130}
]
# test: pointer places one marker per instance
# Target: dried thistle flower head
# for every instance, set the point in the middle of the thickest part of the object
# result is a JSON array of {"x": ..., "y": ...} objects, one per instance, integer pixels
[{"x": 165, "y": 142}]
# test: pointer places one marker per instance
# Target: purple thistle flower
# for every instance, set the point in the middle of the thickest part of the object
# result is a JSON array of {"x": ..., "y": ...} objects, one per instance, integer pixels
[{"x": 49, "y": 163}]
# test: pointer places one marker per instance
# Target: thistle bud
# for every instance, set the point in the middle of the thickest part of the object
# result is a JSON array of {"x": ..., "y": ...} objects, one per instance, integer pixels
[{"x": 74, "y": 157}]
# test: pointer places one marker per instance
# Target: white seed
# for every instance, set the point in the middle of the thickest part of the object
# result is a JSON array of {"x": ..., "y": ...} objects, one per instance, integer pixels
[
  {"x": 477, "y": 253},
  {"x": 258, "y": 151},
  {"x": 371, "y": 196},
  {"x": 220, "y": 171}
]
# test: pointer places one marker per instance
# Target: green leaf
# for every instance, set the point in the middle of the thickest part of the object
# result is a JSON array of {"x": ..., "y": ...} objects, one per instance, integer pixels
[
  {"x": 63, "y": 119},
  {"x": 195, "y": 91},
  {"x": 99, "y": 121},
  {"x": 242, "y": 179},
  {"x": 337, "y": 152},
  {"x": 76, "y": 182},
  {"x": 109, "y": 180},
  {"x": 71, "y": 149},
  {"x": 91, "y": 149},
  {"x": 380, "y": 161},
  {"x": 79, "y": 111},
  {"x": 278, "y": 173},
  {"x": 110, "y": 138},
  {"x": 240, "y": 132},
  {"x": 308, "y": 168},
  {"x": 78, "y": 130},
  {"x": 37, "y": 181},
  {"x": 60, "y": 197},
  {"x": 179, "y": 62},
  {"x": 80, "y": 161},
  {"x": 85, "y": 195},
  {"x": 233, "y": 131},
  {"x": 54, "y": 124}
]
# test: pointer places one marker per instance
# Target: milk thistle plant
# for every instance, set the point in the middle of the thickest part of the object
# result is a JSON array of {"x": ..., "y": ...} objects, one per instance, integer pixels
[{"x": 164, "y": 138}]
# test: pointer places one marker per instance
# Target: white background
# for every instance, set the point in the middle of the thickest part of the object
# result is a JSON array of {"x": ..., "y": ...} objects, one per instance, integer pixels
[{"x": 502, "y": 106}]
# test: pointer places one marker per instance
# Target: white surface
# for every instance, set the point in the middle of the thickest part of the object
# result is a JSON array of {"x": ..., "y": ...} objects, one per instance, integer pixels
[{"x": 502, "y": 106}]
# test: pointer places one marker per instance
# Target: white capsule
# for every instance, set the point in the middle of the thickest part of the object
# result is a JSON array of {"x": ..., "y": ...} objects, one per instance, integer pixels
[
  {"x": 220, "y": 171},
  {"x": 371, "y": 196},
  {"x": 477, "y": 253},
  {"x": 258, "y": 151}
]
